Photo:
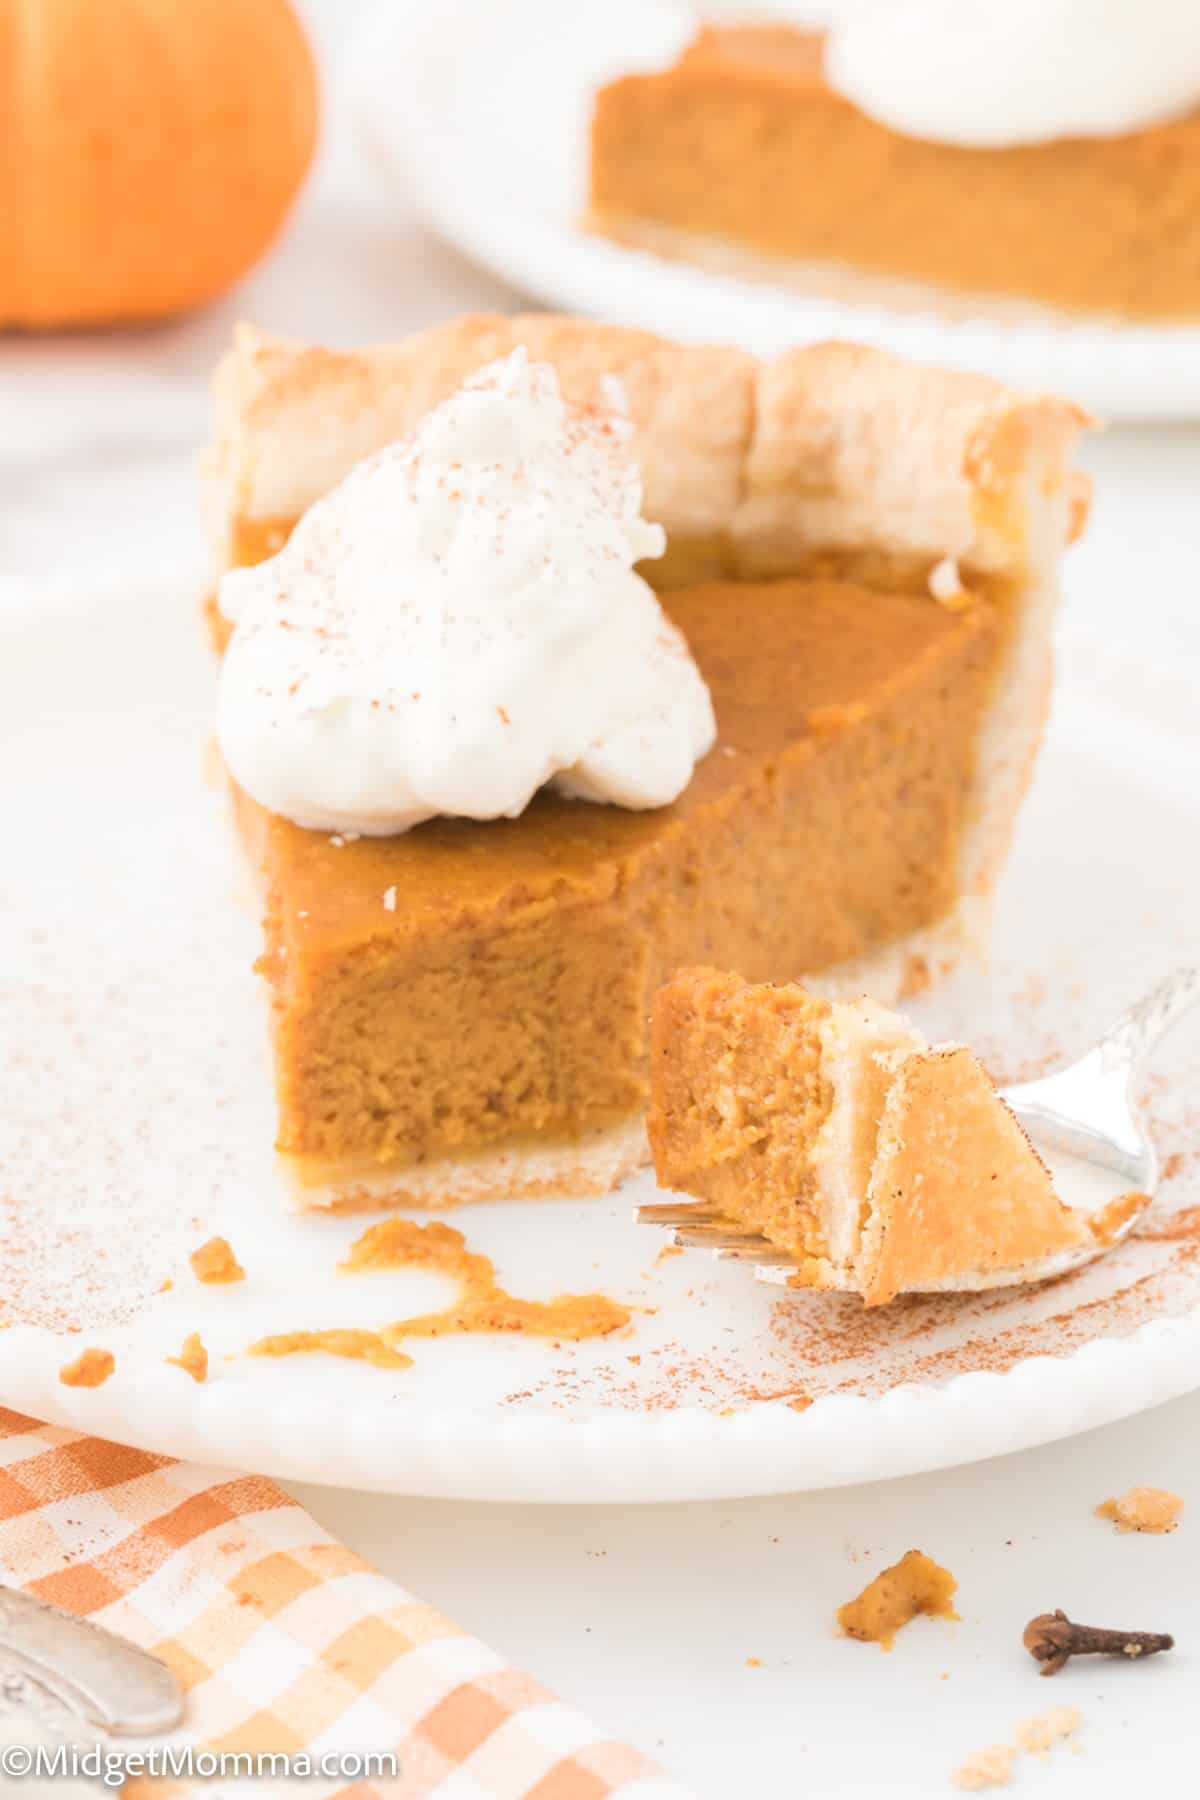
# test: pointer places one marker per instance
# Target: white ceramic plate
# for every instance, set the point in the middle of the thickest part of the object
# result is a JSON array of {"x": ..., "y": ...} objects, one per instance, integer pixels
[
  {"x": 136, "y": 1119},
  {"x": 482, "y": 110}
]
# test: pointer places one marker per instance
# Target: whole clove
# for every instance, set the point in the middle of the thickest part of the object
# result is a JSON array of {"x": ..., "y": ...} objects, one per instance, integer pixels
[{"x": 1052, "y": 1639}]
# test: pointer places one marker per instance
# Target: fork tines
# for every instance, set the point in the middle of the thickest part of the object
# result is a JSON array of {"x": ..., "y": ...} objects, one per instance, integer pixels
[{"x": 696, "y": 1226}]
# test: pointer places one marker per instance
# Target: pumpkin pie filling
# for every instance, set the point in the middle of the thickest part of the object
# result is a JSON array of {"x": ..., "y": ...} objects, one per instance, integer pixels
[{"x": 506, "y": 992}]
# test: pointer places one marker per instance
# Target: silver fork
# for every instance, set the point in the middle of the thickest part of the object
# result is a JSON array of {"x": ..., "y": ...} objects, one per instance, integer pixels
[{"x": 1084, "y": 1121}]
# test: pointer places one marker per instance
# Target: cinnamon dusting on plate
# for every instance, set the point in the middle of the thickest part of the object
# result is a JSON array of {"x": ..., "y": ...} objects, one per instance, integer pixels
[{"x": 1175, "y": 1228}]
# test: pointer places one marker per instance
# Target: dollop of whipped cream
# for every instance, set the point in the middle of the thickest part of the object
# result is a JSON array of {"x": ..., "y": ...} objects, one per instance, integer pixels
[
  {"x": 458, "y": 623},
  {"x": 995, "y": 73}
]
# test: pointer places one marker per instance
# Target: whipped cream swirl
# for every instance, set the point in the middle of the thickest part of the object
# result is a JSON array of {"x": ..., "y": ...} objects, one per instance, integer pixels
[
  {"x": 458, "y": 623},
  {"x": 992, "y": 74}
]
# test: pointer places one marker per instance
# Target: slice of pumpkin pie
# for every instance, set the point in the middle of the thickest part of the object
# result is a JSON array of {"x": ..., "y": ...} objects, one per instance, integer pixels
[
  {"x": 470, "y": 900},
  {"x": 884, "y": 1164}
]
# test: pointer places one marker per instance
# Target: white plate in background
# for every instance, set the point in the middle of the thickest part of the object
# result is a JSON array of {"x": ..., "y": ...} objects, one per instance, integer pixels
[{"x": 481, "y": 109}]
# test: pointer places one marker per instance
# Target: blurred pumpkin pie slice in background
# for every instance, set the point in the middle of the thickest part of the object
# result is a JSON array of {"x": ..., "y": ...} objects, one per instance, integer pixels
[{"x": 926, "y": 152}]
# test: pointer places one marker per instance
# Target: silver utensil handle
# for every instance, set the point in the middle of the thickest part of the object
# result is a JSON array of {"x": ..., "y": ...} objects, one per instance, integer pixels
[
  {"x": 1137, "y": 1031},
  {"x": 89, "y": 1671}
]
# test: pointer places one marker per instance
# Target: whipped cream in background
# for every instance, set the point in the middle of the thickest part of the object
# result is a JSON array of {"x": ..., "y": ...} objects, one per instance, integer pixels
[
  {"x": 458, "y": 623},
  {"x": 995, "y": 73}
]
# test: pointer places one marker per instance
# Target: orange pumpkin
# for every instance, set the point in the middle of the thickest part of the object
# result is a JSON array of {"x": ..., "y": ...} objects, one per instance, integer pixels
[{"x": 149, "y": 151}]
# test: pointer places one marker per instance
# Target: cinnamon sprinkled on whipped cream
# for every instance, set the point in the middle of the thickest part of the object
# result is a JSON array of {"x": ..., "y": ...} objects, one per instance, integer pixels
[{"x": 459, "y": 623}]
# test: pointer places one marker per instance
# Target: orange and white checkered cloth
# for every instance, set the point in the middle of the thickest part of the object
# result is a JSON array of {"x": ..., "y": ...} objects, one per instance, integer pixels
[{"x": 285, "y": 1640}]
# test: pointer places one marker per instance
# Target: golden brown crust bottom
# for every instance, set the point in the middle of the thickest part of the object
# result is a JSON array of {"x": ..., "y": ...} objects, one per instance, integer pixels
[
  {"x": 957, "y": 1188},
  {"x": 825, "y": 279},
  {"x": 594, "y": 1164}
]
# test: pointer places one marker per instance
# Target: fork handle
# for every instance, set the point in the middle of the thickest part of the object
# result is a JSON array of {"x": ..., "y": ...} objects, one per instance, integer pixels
[{"x": 1137, "y": 1031}]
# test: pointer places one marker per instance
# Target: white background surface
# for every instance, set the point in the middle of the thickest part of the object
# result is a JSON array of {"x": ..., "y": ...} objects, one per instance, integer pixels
[{"x": 647, "y": 1616}]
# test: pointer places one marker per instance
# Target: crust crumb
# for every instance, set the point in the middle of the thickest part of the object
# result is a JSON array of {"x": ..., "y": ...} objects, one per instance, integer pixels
[
  {"x": 1143, "y": 1509},
  {"x": 914, "y": 1585},
  {"x": 1049, "y": 1728},
  {"x": 993, "y": 1767},
  {"x": 193, "y": 1357},
  {"x": 985, "y": 1768},
  {"x": 215, "y": 1262},
  {"x": 90, "y": 1369}
]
